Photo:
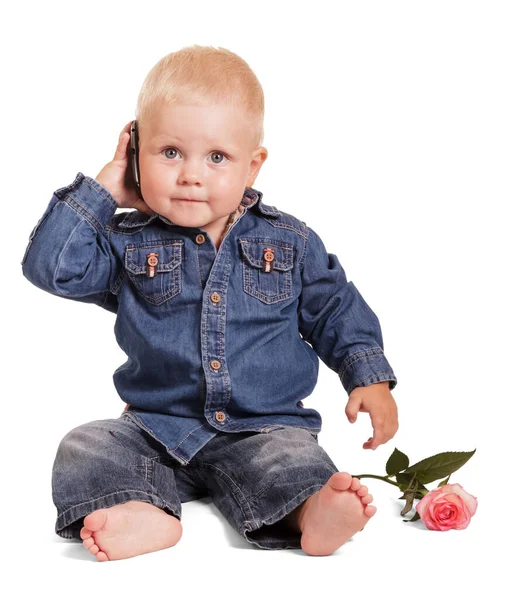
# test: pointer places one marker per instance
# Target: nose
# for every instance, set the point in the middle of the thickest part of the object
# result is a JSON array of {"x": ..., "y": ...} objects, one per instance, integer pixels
[{"x": 190, "y": 173}]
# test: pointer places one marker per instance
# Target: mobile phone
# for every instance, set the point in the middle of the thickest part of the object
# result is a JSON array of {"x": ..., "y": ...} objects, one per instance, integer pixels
[{"x": 134, "y": 158}]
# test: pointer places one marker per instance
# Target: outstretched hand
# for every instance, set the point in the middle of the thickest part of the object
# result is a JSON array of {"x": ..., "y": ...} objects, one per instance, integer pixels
[{"x": 375, "y": 399}]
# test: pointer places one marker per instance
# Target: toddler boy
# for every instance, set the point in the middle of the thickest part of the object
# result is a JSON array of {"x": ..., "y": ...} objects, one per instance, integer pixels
[{"x": 223, "y": 306}]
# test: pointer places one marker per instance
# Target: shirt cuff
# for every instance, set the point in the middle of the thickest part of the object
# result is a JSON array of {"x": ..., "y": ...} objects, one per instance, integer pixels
[
  {"x": 90, "y": 199},
  {"x": 366, "y": 367}
]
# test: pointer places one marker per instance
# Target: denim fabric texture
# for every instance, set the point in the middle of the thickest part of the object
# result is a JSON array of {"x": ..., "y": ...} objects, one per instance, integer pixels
[
  {"x": 217, "y": 341},
  {"x": 254, "y": 479}
]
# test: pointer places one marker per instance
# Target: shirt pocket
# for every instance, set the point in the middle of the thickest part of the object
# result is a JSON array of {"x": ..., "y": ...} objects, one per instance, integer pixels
[
  {"x": 166, "y": 283},
  {"x": 270, "y": 286}
]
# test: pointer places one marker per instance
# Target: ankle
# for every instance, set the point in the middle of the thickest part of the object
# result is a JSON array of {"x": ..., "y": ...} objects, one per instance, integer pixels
[{"x": 296, "y": 518}]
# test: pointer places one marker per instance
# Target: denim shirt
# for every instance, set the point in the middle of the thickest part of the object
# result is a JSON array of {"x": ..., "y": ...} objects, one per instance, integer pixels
[{"x": 216, "y": 340}]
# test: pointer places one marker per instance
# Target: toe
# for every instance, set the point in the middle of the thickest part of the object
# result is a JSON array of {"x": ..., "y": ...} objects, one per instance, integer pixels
[
  {"x": 366, "y": 499},
  {"x": 355, "y": 484},
  {"x": 369, "y": 510},
  {"x": 340, "y": 481},
  {"x": 85, "y": 533},
  {"x": 94, "y": 549},
  {"x": 88, "y": 542},
  {"x": 96, "y": 520},
  {"x": 102, "y": 556},
  {"x": 362, "y": 490}
]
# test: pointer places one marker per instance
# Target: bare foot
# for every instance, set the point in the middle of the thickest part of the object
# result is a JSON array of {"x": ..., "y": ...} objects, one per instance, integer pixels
[
  {"x": 129, "y": 529},
  {"x": 334, "y": 514}
]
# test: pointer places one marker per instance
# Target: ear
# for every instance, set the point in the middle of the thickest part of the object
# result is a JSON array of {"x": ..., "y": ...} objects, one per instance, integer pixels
[{"x": 258, "y": 157}]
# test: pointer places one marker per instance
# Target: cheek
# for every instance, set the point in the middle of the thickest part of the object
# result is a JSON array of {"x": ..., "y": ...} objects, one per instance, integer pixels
[
  {"x": 230, "y": 182},
  {"x": 155, "y": 180}
]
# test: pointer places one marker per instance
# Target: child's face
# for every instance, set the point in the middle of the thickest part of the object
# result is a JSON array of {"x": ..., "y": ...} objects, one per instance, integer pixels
[{"x": 199, "y": 153}]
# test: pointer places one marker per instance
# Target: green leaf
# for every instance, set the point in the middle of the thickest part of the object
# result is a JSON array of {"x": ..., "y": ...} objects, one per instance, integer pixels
[
  {"x": 439, "y": 465},
  {"x": 396, "y": 463},
  {"x": 444, "y": 481}
]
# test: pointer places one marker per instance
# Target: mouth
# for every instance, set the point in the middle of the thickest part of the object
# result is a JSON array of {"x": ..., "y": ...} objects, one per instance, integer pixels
[{"x": 189, "y": 200}]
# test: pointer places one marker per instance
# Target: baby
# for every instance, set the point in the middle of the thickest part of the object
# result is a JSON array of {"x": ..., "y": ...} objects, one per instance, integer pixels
[{"x": 224, "y": 306}]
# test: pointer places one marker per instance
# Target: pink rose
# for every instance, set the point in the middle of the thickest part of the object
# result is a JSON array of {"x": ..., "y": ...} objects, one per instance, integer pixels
[{"x": 447, "y": 507}]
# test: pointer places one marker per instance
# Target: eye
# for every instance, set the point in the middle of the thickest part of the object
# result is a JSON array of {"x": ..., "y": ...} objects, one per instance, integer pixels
[
  {"x": 219, "y": 154},
  {"x": 173, "y": 150}
]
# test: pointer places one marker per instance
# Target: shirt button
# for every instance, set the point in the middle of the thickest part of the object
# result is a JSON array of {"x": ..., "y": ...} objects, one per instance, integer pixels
[
  {"x": 220, "y": 416},
  {"x": 215, "y": 365},
  {"x": 215, "y": 297},
  {"x": 200, "y": 239}
]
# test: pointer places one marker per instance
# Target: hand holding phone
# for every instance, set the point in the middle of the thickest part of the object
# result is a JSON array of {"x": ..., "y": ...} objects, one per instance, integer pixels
[{"x": 121, "y": 180}]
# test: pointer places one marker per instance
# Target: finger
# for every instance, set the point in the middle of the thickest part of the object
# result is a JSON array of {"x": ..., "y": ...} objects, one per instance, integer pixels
[
  {"x": 141, "y": 206},
  {"x": 377, "y": 439},
  {"x": 127, "y": 127},
  {"x": 120, "y": 152},
  {"x": 380, "y": 436},
  {"x": 352, "y": 408},
  {"x": 384, "y": 427},
  {"x": 368, "y": 445}
]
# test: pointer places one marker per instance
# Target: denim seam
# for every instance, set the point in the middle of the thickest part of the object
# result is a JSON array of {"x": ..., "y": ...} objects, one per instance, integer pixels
[
  {"x": 187, "y": 436},
  {"x": 303, "y": 253},
  {"x": 377, "y": 375},
  {"x": 228, "y": 430},
  {"x": 118, "y": 283},
  {"x": 71, "y": 201},
  {"x": 199, "y": 271},
  {"x": 77, "y": 507},
  {"x": 134, "y": 418},
  {"x": 359, "y": 355},
  {"x": 209, "y": 466},
  {"x": 121, "y": 232},
  {"x": 288, "y": 508},
  {"x": 96, "y": 186},
  {"x": 222, "y": 319},
  {"x": 281, "y": 225},
  {"x": 63, "y": 251}
]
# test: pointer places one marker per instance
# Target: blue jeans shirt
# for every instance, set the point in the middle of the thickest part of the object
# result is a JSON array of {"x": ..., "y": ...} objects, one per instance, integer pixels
[{"x": 225, "y": 340}]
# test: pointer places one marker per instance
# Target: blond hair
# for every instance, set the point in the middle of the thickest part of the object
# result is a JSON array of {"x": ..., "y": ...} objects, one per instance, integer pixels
[{"x": 198, "y": 75}]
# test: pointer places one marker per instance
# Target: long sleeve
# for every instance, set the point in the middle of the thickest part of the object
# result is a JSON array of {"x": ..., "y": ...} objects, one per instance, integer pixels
[
  {"x": 338, "y": 323},
  {"x": 69, "y": 253}
]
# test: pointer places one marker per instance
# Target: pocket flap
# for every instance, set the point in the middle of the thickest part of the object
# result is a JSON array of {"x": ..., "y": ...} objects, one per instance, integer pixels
[
  {"x": 254, "y": 249},
  {"x": 169, "y": 255}
]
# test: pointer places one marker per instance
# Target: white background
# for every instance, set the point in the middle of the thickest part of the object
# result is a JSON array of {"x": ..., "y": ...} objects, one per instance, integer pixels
[{"x": 391, "y": 131}]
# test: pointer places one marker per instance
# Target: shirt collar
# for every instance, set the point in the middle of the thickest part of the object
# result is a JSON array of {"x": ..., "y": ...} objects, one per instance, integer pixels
[{"x": 251, "y": 198}]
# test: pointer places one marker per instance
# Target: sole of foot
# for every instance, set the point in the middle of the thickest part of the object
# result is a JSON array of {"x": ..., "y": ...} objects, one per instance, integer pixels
[
  {"x": 129, "y": 529},
  {"x": 334, "y": 514}
]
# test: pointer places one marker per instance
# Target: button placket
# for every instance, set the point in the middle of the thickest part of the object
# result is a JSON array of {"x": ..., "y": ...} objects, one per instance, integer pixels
[{"x": 213, "y": 330}]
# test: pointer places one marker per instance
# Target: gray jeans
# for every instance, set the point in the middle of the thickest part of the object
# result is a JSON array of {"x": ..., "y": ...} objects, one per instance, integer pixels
[{"x": 255, "y": 479}]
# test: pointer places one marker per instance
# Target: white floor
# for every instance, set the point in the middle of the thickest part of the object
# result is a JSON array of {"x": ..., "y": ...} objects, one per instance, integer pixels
[{"x": 390, "y": 128}]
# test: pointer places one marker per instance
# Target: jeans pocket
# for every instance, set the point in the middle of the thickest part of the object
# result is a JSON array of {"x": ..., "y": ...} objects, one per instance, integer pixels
[
  {"x": 267, "y": 267},
  {"x": 154, "y": 267}
]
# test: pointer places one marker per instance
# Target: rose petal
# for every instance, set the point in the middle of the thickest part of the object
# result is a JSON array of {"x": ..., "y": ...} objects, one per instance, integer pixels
[{"x": 447, "y": 507}]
